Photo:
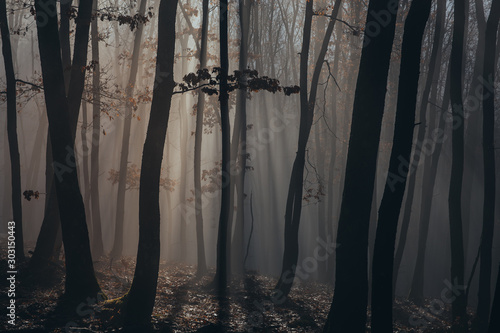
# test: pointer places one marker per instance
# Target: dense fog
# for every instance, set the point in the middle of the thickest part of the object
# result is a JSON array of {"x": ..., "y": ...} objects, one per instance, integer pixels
[{"x": 273, "y": 122}]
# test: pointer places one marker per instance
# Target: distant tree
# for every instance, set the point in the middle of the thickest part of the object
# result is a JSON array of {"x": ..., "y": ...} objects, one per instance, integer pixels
[
  {"x": 15, "y": 163},
  {"x": 307, "y": 105},
  {"x": 390, "y": 207},
  {"x": 117, "y": 249},
  {"x": 200, "y": 242},
  {"x": 348, "y": 310},
  {"x": 80, "y": 278}
]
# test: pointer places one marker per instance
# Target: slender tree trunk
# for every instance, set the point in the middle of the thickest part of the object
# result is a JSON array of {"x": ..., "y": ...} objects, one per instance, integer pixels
[
  {"x": 64, "y": 28},
  {"x": 221, "y": 273},
  {"x": 238, "y": 153},
  {"x": 141, "y": 297},
  {"x": 85, "y": 169},
  {"x": 495, "y": 308},
  {"x": 80, "y": 278},
  {"x": 417, "y": 286},
  {"x": 457, "y": 166},
  {"x": 200, "y": 242},
  {"x": 348, "y": 310},
  {"x": 472, "y": 155},
  {"x": 15, "y": 164},
  {"x": 97, "y": 246},
  {"x": 489, "y": 69},
  {"x": 79, "y": 63},
  {"x": 116, "y": 252},
  {"x": 432, "y": 176},
  {"x": 295, "y": 189},
  {"x": 390, "y": 207}
]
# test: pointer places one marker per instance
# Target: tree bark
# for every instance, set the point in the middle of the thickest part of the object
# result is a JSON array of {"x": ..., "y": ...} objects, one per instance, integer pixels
[
  {"x": 390, "y": 207},
  {"x": 348, "y": 310}
]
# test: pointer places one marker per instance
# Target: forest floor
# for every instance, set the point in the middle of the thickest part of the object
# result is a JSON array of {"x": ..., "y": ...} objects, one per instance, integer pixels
[{"x": 185, "y": 304}]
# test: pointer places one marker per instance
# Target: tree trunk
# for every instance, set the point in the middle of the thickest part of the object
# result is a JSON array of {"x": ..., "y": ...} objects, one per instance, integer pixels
[
  {"x": 221, "y": 273},
  {"x": 431, "y": 180},
  {"x": 200, "y": 241},
  {"x": 15, "y": 163},
  {"x": 141, "y": 297},
  {"x": 295, "y": 189},
  {"x": 64, "y": 40},
  {"x": 238, "y": 151},
  {"x": 348, "y": 310},
  {"x": 116, "y": 252},
  {"x": 457, "y": 165},
  {"x": 45, "y": 243},
  {"x": 417, "y": 286},
  {"x": 494, "y": 326},
  {"x": 473, "y": 155},
  {"x": 489, "y": 69},
  {"x": 390, "y": 207},
  {"x": 80, "y": 278},
  {"x": 97, "y": 246},
  {"x": 79, "y": 63},
  {"x": 85, "y": 169}
]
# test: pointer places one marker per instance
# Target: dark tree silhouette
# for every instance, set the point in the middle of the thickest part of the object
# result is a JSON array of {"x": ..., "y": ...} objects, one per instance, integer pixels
[
  {"x": 80, "y": 278},
  {"x": 139, "y": 301},
  {"x": 221, "y": 273},
  {"x": 15, "y": 163},
  {"x": 200, "y": 242},
  {"x": 417, "y": 286},
  {"x": 495, "y": 308},
  {"x": 457, "y": 166},
  {"x": 97, "y": 245},
  {"x": 46, "y": 242},
  {"x": 348, "y": 310},
  {"x": 390, "y": 207},
  {"x": 489, "y": 69}
]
